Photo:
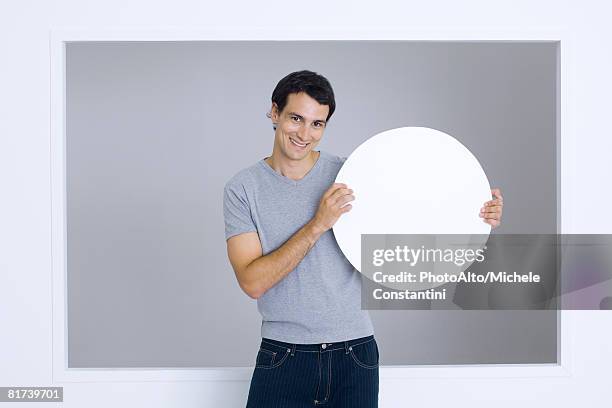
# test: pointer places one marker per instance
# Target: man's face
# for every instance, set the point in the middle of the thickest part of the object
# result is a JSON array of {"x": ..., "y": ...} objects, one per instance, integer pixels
[{"x": 299, "y": 127}]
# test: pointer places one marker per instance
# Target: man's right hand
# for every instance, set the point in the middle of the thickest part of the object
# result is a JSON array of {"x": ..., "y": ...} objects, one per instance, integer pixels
[{"x": 332, "y": 206}]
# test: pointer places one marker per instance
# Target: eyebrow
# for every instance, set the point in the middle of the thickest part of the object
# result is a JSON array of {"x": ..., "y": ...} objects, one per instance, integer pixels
[{"x": 301, "y": 117}]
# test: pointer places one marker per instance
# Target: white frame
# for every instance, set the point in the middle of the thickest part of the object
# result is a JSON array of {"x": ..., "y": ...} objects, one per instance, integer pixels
[{"x": 58, "y": 40}]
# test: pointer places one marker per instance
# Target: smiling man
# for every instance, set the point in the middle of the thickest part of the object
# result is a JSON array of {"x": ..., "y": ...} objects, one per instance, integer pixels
[{"x": 318, "y": 346}]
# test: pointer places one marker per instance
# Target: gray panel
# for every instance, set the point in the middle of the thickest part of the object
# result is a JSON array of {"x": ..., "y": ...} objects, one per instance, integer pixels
[{"x": 155, "y": 129}]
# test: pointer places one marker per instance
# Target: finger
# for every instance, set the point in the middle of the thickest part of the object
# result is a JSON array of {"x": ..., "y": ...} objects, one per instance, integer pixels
[
  {"x": 336, "y": 186},
  {"x": 483, "y": 214},
  {"x": 340, "y": 192},
  {"x": 346, "y": 209},
  {"x": 494, "y": 202},
  {"x": 496, "y": 192},
  {"x": 492, "y": 209},
  {"x": 487, "y": 210},
  {"x": 344, "y": 199},
  {"x": 492, "y": 216},
  {"x": 333, "y": 188}
]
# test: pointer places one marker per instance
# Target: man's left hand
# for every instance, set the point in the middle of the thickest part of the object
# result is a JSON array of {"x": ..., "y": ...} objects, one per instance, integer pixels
[{"x": 491, "y": 212}]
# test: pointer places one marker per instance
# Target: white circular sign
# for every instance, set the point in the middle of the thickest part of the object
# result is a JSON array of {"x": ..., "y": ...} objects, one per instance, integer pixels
[{"x": 411, "y": 180}]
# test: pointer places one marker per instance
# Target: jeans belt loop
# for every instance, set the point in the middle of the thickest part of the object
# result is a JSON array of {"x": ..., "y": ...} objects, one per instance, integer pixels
[
  {"x": 346, "y": 347},
  {"x": 292, "y": 350}
]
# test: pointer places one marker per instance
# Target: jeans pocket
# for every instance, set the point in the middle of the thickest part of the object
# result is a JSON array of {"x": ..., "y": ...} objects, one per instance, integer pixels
[
  {"x": 365, "y": 355},
  {"x": 271, "y": 356}
]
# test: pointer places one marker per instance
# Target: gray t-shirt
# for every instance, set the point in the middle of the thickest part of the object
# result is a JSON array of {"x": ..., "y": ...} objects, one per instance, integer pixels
[{"x": 320, "y": 300}]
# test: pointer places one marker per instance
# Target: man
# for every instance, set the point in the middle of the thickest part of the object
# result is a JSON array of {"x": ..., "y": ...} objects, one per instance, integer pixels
[{"x": 318, "y": 346}]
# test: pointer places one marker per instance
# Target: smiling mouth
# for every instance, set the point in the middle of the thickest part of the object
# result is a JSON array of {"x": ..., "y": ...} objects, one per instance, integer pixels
[{"x": 301, "y": 145}]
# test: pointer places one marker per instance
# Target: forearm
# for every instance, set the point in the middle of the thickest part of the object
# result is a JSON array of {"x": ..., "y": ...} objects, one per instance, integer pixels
[{"x": 266, "y": 271}]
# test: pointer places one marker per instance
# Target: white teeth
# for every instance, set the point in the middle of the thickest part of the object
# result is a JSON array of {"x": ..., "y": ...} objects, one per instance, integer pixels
[{"x": 297, "y": 144}]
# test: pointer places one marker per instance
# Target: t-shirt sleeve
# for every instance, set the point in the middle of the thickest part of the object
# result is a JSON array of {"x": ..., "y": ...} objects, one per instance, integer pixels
[{"x": 236, "y": 211}]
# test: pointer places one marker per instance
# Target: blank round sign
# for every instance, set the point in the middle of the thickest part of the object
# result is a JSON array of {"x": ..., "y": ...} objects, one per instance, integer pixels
[{"x": 411, "y": 180}]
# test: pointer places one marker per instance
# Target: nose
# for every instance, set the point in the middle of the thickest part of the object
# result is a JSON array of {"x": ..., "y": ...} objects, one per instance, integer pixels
[{"x": 303, "y": 133}]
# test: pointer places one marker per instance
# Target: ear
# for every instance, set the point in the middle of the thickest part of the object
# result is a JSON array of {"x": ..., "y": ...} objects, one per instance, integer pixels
[{"x": 274, "y": 113}]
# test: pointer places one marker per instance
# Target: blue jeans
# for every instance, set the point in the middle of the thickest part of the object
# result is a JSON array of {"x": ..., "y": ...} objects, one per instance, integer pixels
[{"x": 332, "y": 375}]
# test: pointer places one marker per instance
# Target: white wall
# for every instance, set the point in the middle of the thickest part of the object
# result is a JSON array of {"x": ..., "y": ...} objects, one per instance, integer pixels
[{"x": 25, "y": 254}]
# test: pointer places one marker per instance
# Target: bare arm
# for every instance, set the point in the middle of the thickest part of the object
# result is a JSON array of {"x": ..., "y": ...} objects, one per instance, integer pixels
[{"x": 257, "y": 273}]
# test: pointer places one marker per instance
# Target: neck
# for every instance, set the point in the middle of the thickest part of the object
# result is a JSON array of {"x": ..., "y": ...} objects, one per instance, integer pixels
[{"x": 293, "y": 169}]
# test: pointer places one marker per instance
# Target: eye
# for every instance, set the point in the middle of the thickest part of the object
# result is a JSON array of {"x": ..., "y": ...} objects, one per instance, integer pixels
[
  {"x": 295, "y": 118},
  {"x": 318, "y": 124}
]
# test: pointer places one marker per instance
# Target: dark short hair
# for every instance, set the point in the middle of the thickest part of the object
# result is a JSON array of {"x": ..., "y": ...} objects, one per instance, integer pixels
[{"x": 315, "y": 85}]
